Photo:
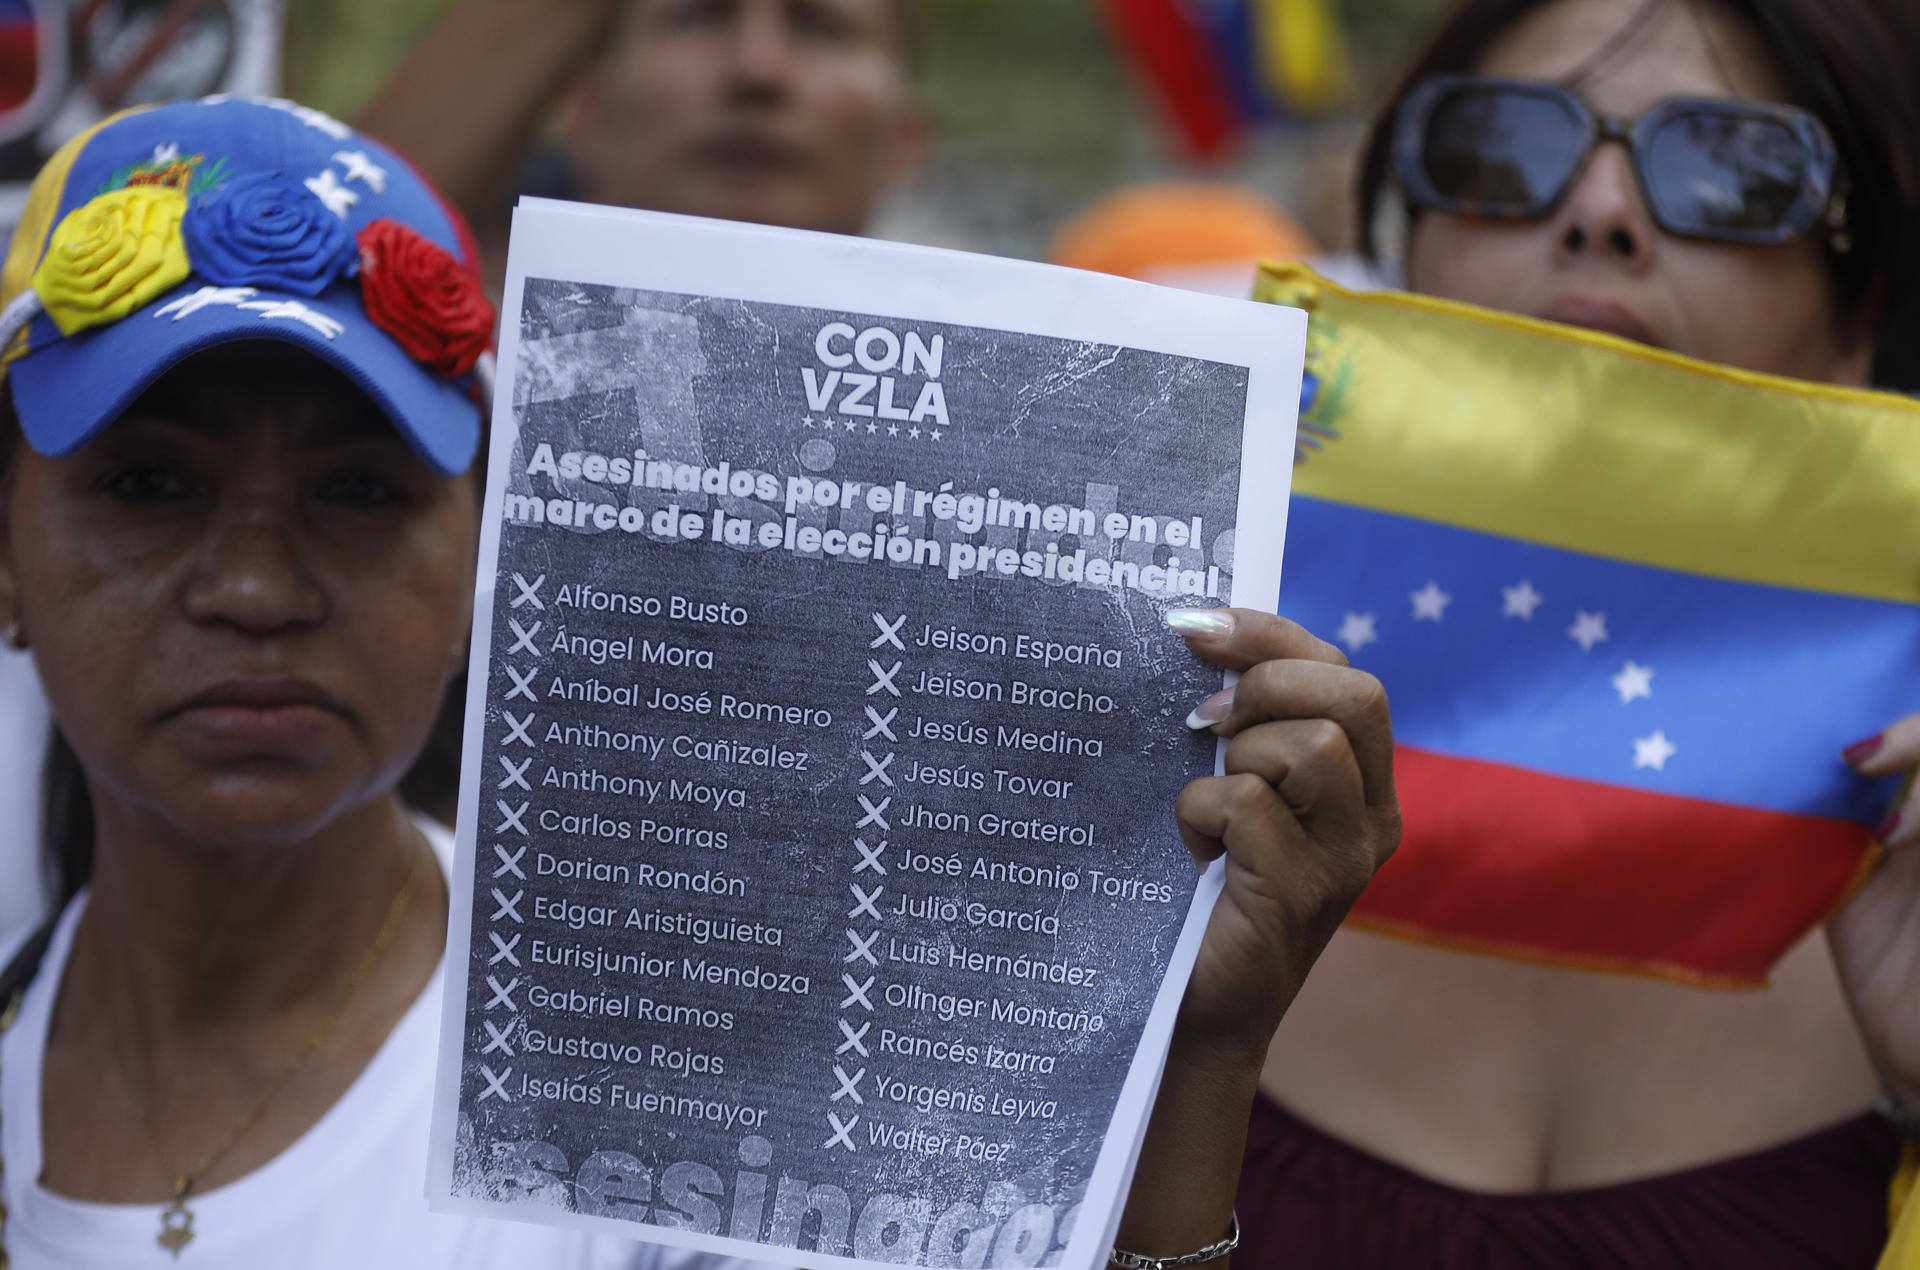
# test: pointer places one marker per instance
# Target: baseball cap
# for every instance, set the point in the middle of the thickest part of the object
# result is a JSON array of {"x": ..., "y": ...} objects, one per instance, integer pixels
[{"x": 167, "y": 230}]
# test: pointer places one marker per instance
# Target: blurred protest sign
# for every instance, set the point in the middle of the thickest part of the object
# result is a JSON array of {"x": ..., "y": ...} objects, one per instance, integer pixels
[{"x": 67, "y": 64}]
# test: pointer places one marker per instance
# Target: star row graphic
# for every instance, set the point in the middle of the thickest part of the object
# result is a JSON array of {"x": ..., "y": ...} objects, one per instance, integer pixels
[
  {"x": 1522, "y": 600},
  {"x": 913, "y": 431},
  {"x": 1430, "y": 604}
]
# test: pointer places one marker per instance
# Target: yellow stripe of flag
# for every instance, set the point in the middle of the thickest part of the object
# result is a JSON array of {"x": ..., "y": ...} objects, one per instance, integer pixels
[{"x": 1578, "y": 440}]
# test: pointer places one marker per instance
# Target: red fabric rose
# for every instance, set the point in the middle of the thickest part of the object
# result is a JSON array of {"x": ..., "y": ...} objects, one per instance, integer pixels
[{"x": 417, "y": 292}]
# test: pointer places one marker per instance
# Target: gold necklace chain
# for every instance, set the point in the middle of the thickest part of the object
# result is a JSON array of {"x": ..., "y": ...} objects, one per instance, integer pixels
[{"x": 176, "y": 1219}]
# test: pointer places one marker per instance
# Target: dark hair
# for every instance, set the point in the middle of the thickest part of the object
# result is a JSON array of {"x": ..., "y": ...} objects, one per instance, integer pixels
[
  {"x": 432, "y": 784},
  {"x": 1839, "y": 58}
]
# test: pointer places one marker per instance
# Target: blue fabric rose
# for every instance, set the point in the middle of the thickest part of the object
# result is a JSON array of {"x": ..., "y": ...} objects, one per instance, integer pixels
[{"x": 267, "y": 230}]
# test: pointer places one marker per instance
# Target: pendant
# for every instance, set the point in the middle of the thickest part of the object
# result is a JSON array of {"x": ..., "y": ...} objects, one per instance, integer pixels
[{"x": 176, "y": 1226}]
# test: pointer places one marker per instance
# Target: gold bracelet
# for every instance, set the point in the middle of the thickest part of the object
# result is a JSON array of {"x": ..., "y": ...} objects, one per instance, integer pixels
[{"x": 1212, "y": 1252}]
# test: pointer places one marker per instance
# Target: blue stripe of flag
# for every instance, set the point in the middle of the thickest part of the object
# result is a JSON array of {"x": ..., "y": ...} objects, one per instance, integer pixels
[{"x": 1749, "y": 691}]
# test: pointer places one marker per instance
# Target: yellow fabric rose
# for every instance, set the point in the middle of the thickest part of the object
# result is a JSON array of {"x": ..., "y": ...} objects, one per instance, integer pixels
[{"x": 112, "y": 256}]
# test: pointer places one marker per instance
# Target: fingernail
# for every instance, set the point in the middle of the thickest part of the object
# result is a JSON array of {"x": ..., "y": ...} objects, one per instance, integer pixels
[
  {"x": 1210, "y": 622},
  {"x": 1885, "y": 829},
  {"x": 1861, "y": 751},
  {"x": 1211, "y": 711}
]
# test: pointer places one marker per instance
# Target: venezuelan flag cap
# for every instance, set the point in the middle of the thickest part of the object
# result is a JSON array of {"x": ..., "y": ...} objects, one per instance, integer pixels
[{"x": 167, "y": 230}]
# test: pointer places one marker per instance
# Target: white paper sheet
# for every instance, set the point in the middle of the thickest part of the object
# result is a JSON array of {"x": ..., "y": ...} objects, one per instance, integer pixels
[{"x": 819, "y": 896}]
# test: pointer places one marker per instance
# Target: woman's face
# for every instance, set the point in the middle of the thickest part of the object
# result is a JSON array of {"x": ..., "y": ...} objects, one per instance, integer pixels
[
  {"x": 1599, "y": 260},
  {"x": 245, "y": 598}
]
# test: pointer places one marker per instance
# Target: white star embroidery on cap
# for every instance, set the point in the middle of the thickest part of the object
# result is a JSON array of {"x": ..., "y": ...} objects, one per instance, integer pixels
[
  {"x": 1633, "y": 682},
  {"x": 361, "y": 167},
  {"x": 1587, "y": 630},
  {"x": 1357, "y": 632},
  {"x": 168, "y": 153},
  {"x": 295, "y": 311},
  {"x": 1653, "y": 751},
  {"x": 1429, "y": 603},
  {"x": 316, "y": 119},
  {"x": 338, "y": 198},
  {"x": 188, "y": 305},
  {"x": 1521, "y": 600}
]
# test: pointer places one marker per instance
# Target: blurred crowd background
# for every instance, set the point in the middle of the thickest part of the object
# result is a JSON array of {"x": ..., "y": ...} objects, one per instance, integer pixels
[{"x": 1039, "y": 110}]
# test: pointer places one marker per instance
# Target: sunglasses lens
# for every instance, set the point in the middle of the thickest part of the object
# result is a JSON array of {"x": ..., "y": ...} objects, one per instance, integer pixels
[
  {"x": 1716, "y": 174},
  {"x": 1502, "y": 149}
]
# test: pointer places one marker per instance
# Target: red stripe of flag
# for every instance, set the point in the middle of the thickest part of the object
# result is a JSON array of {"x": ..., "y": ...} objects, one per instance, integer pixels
[
  {"x": 1180, "y": 62},
  {"x": 1682, "y": 888}
]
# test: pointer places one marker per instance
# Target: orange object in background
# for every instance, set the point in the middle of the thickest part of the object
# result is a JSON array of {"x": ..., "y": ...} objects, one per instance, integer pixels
[{"x": 1156, "y": 232}]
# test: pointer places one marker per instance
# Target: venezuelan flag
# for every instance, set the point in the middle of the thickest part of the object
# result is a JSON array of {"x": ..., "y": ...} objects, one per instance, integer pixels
[
  {"x": 1221, "y": 67},
  {"x": 1629, "y": 608}
]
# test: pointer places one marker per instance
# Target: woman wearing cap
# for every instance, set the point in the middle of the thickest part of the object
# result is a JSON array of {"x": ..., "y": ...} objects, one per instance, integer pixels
[
  {"x": 1425, "y": 1107},
  {"x": 236, "y": 536}
]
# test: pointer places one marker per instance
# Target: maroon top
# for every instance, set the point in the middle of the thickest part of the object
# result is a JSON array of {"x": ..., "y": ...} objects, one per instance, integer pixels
[{"x": 1310, "y": 1200}]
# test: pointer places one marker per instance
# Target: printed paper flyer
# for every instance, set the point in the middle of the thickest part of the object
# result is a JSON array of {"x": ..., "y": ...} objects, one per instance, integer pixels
[{"x": 820, "y": 897}]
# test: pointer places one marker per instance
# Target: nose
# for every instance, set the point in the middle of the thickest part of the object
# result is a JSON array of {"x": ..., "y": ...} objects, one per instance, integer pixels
[
  {"x": 1604, "y": 218},
  {"x": 760, "y": 50},
  {"x": 250, "y": 572}
]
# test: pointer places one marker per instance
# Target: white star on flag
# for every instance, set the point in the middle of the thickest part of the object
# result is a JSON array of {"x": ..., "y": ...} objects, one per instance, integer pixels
[
  {"x": 361, "y": 167},
  {"x": 1357, "y": 632},
  {"x": 338, "y": 198},
  {"x": 1429, "y": 603},
  {"x": 1653, "y": 751},
  {"x": 1587, "y": 630},
  {"x": 1633, "y": 682},
  {"x": 1521, "y": 600}
]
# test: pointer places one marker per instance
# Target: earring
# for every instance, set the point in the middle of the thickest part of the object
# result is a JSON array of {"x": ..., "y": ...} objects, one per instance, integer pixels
[{"x": 14, "y": 637}]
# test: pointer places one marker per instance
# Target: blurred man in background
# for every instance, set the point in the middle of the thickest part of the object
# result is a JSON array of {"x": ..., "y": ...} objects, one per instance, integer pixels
[{"x": 784, "y": 112}]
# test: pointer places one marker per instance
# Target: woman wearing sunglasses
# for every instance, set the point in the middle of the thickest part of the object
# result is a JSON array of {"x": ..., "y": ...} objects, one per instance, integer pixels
[{"x": 1730, "y": 181}]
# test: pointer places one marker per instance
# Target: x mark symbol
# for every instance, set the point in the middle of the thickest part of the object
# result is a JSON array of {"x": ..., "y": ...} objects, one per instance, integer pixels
[
  {"x": 853, "y": 1038},
  {"x": 499, "y": 1041},
  {"x": 883, "y": 679},
  {"x": 522, "y": 687},
  {"x": 857, "y": 991},
  {"x": 880, "y": 727},
  {"x": 504, "y": 949},
  {"x": 509, "y": 863},
  {"x": 497, "y": 1086},
  {"x": 889, "y": 632},
  {"x": 862, "y": 949},
  {"x": 517, "y": 728},
  {"x": 527, "y": 592},
  {"x": 516, "y": 776},
  {"x": 865, "y": 901},
  {"x": 512, "y": 815},
  {"x": 870, "y": 857},
  {"x": 523, "y": 638},
  {"x": 873, "y": 816},
  {"x": 508, "y": 907},
  {"x": 877, "y": 769},
  {"x": 503, "y": 995},
  {"x": 842, "y": 1133},
  {"x": 849, "y": 1085}
]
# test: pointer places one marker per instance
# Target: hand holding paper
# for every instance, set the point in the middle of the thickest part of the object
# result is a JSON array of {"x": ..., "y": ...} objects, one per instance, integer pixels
[{"x": 1305, "y": 813}]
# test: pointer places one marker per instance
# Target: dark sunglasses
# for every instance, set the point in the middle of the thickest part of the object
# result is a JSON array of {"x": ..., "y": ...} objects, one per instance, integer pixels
[{"x": 1732, "y": 171}]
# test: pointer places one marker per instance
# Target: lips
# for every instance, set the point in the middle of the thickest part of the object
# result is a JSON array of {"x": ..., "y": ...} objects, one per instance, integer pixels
[
  {"x": 1607, "y": 316},
  {"x": 269, "y": 714},
  {"x": 748, "y": 151}
]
